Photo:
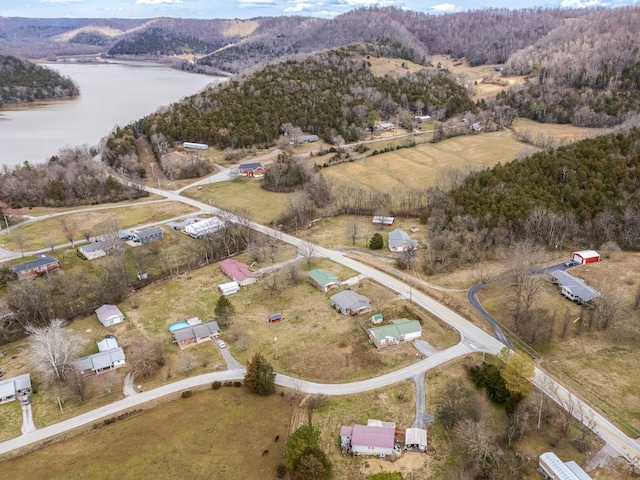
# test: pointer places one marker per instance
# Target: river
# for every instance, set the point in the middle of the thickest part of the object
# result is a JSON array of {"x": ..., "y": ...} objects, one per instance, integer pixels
[{"x": 111, "y": 94}]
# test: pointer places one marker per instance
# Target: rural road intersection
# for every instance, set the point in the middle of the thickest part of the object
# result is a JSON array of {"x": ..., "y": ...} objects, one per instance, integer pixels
[{"x": 473, "y": 339}]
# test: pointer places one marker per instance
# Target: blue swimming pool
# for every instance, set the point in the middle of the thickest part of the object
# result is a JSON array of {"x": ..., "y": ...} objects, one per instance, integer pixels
[{"x": 177, "y": 326}]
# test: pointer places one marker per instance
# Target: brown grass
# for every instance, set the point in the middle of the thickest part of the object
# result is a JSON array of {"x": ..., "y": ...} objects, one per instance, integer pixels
[
  {"x": 213, "y": 434},
  {"x": 40, "y": 234}
]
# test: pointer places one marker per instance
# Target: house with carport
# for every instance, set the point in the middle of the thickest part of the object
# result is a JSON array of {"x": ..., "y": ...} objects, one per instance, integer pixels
[
  {"x": 573, "y": 288},
  {"x": 238, "y": 271},
  {"x": 396, "y": 332},
  {"x": 109, "y": 315},
  {"x": 349, "y": 302},
  {"x": 323, "y": 280}
]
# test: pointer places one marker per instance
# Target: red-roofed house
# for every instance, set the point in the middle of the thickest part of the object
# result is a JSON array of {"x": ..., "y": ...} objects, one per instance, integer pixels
[{"x": 237, "y": 271}]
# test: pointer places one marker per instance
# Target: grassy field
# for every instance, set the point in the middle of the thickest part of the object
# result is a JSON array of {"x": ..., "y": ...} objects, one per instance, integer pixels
[
  {"x": 600, "y": 364},
  {"x": 213, "y": 434},
  {"x": 242, "y": 194},
  {"x": 46, "y": 232}
]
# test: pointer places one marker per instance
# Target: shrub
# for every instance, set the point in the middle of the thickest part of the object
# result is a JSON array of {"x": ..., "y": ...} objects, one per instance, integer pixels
[
  {"x": 186, "y": 394},
  {"x": 216, "y": 385}
]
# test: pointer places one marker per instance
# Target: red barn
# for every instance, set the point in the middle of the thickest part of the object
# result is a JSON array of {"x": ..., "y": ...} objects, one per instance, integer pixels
[{"x": 585, "y": 256}]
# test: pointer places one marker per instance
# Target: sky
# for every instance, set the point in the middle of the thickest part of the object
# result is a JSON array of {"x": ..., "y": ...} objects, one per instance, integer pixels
[{"x": 206, "y": 9}]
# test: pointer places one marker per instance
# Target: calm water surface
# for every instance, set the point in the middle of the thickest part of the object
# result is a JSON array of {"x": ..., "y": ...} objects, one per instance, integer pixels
[{"x": 110, "y": 94}]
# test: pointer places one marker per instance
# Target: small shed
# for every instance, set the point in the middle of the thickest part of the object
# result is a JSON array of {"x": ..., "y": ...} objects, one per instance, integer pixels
[
  {"x": 229, "y": 288},
  {"x": 275, "y": 317},
  {"x": 323, "y": 280},
  {"x": 585, "y": 256},
  {"x": 109, "y": 315},
  {"x": 382, "y": 220}
]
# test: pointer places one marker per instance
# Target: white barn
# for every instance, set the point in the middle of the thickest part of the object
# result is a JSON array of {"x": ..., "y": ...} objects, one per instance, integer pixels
[{"x": 229, "y": 288}]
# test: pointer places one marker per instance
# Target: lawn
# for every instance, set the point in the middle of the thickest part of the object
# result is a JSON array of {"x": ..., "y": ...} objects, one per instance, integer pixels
[
  {"x": 213, "y": 434},
  {"x": 49, "y": 231}
]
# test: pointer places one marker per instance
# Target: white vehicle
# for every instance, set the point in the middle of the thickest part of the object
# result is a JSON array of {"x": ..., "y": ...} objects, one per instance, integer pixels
[{"x": 221, "y": 344}]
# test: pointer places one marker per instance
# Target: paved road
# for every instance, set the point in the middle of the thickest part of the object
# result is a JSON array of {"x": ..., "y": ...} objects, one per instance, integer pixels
[{"x": 473, "y": 339}]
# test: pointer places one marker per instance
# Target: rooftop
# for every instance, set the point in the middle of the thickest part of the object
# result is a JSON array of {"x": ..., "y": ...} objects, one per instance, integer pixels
[{"x": 38, "y": 262}]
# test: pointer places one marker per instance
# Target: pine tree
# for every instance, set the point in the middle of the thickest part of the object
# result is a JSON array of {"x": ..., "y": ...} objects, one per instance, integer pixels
[
  {"x": 224, "y": 310},
  {"x": 376, "y": 242},
  {"x": 260, "y": 378}
]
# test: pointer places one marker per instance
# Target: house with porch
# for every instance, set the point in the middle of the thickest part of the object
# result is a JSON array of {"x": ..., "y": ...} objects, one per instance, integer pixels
[
  {"x": 399, "y": 241},
  {"x": 195, "y": 334},
  {"x": 254, "y": 169},
  {"x": 39, "y": 266},
  {"x": 323, "y": 280},
  {"x": 109, "y": 357},
  {"x": 349, "y": 302},
  {"x": 398, "y": 331}
]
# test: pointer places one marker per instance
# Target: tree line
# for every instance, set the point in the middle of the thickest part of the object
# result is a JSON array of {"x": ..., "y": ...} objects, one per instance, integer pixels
[{"x": 23, "y": 81}]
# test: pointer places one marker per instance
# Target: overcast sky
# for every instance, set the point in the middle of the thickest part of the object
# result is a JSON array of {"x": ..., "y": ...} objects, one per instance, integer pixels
[{"x": 256, "y": 8}]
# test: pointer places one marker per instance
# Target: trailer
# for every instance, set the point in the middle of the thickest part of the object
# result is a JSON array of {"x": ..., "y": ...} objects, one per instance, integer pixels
[{"x": 197, "y": 146}]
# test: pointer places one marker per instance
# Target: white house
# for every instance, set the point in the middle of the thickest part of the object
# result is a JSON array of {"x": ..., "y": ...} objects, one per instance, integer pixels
[
  {"x": 109, "y": 315},
  {"x": 396, "y": 332},
  {"x": 11, "y": 388},
  {"x": 205, "y": 227},
  {"x": 372, "y": 439}
]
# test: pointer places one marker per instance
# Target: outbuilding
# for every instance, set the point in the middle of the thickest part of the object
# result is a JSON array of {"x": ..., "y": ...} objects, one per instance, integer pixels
[
  {"x": 552, "y": 468},
  {"x": 415, "y": 439},
  {"x": 585, "y": 256},
  {"x": 229, "y": 288},
  {"x": 109, "y": 315}
]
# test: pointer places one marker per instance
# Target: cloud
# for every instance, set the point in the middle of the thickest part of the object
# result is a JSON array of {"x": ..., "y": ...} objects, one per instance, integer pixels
[
  {"x": 60, "y": 1},
  {"x": 256, "y": 3},
  {"x": 582, "y": 4},
  {"x": 299, "y": 7},
  {"x": 444, "y": 7},
  {"x": 156, "y": 2}
]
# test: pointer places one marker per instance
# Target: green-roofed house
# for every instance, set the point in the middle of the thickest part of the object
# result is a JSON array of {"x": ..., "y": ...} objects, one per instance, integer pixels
[
  {"x": 323, "y": 280},
  {"x": 396, "y": 332}
]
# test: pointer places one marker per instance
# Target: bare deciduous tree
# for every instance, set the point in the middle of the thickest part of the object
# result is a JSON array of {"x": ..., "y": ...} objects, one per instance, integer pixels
[
  {"x": 353, "y": 230},
  {"x": 308, "y": 251},
  {"x": 145, "y": 357},
  {"x": 68, "y": 230},
  {"x": 53, "y": 349}
]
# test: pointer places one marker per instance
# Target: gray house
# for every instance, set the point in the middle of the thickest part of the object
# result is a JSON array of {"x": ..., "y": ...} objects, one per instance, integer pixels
[
  {"x": 573, "y": 288},
  {"x": 11, "y": 388},
  {"x": 147, "y": 235},
  {"x": 399, "y": 241},
  {"x": 109, "y": 357},
  {"x": 349, "y": 302},
  {"x": 91, "y": 251}
]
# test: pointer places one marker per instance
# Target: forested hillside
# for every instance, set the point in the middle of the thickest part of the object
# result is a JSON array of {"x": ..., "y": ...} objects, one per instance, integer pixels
[
  {"x": 332, "y": 94},
  {"x": 585, "y": 193},
  {"x": 22, "y": 81},
  {"x": 586, "y": 73}
]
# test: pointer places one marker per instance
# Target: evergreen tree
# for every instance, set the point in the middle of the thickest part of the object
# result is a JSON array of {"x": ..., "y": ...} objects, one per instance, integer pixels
[
  {"x": 260, "y": 378},
  {"x": 305, "y": 438},
  {"x": 376, "y": 242},
  {"x": 224, "y": 310}
]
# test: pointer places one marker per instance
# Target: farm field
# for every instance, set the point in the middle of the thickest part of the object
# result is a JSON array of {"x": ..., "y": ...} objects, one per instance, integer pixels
[
  {"x": 46, "y": 232},
  {"x": 212, "y": 434}
]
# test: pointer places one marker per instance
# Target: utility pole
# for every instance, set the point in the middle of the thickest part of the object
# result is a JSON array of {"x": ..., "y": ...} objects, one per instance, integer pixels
[{"x": 275, "y": 343}]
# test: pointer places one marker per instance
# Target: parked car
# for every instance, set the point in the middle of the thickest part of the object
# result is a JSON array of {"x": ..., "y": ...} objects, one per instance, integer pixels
[
  {"x": 221, "y": 344},
  {"x": 570, "y": 263}
]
